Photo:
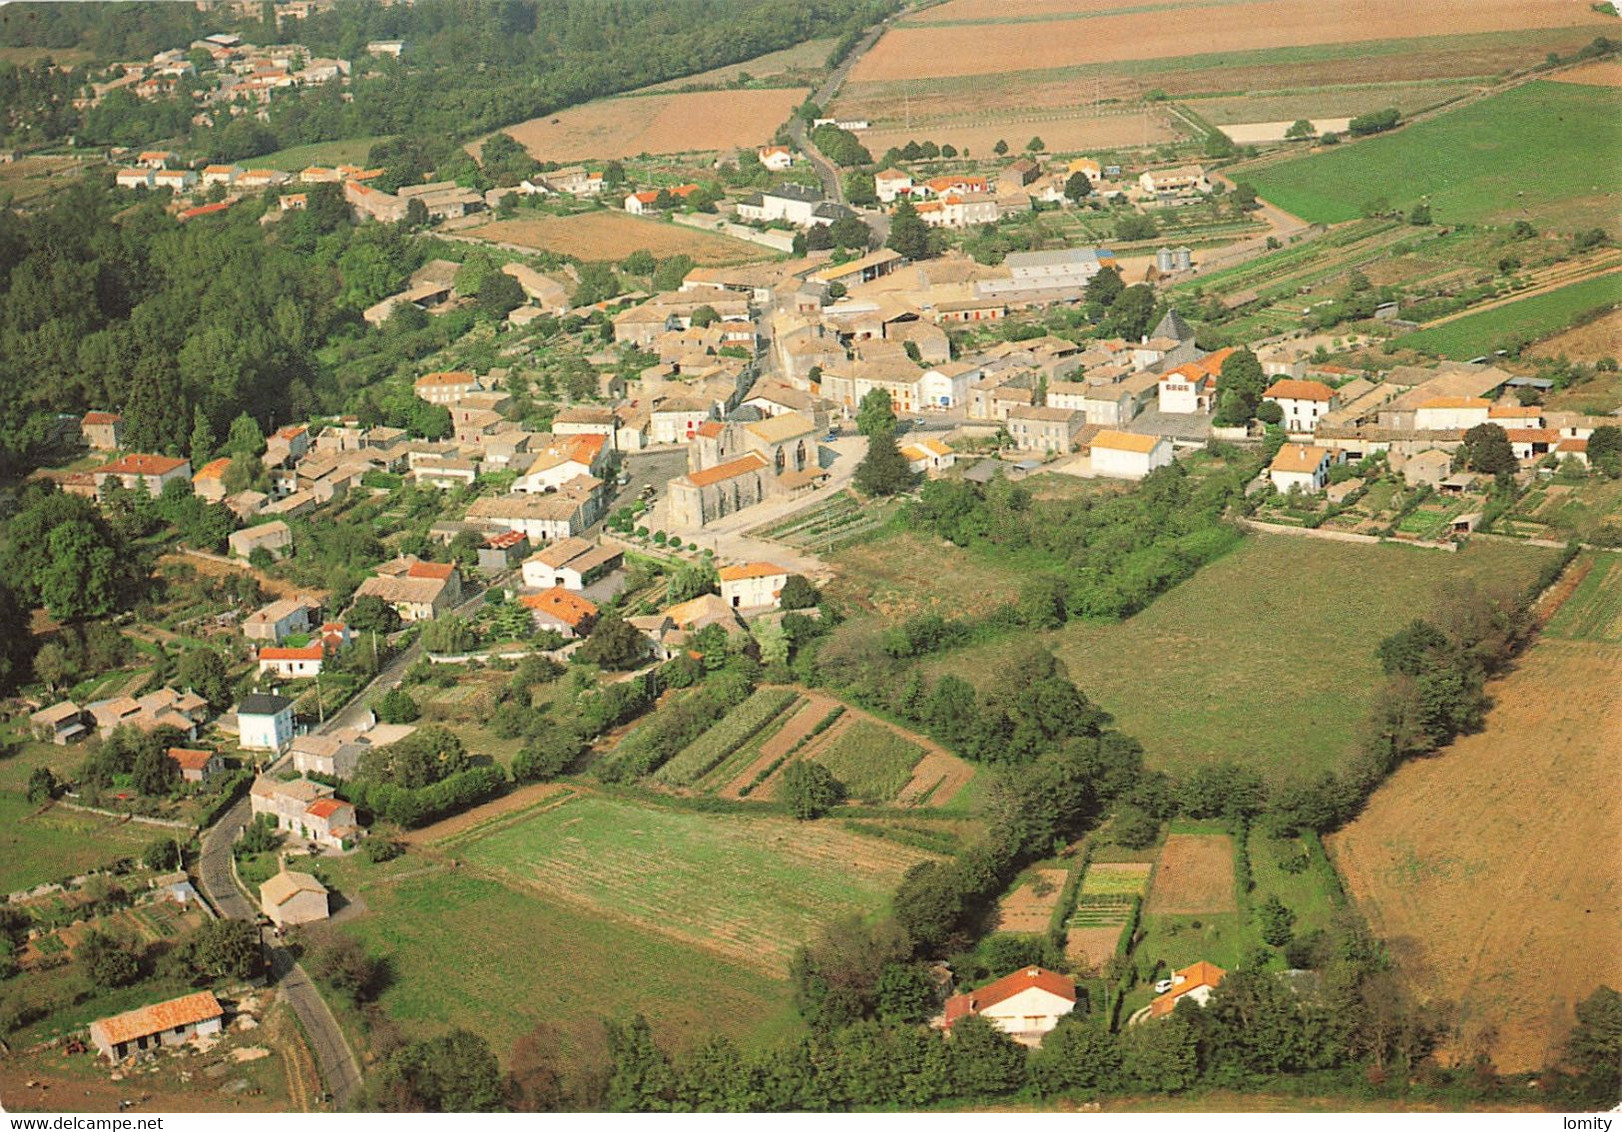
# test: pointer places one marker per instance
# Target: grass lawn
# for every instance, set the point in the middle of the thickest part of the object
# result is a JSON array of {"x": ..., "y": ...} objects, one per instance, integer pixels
[
  {"x": 1306, "y": 892},
  {"x": 1266, "y": 656},
  {"x": 1536, "y": 317},
  {"x": 470, "y": 951},
  {"x": 351, "y": 151},
  {"x": 1498, "y": 159},
  {"x": 59, "y": 842},
  {"x": 872, "y": 761},
  {"x": 746, "y": 889},
  {"x": 905, "y": 573}
]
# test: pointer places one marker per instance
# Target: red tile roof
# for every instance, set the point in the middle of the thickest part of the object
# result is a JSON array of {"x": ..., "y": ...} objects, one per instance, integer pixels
[
  {"x": 305, "y": 652},
  {"x": 96, "y": 417},
  {"x": 1201, "y": 974},
  {"x": 155, "y": 1019},
  {"x": 189, "y": 758},
  {"x": 139, "y": 464},
  {"x": 752, "y": 462},
  {"x": 962, "y": 1005},
  {"x": 751, "y": 570},
  {"x": 436, "y": 570},
  {"x": 1294, "y": 390},
  {"x": 202, "y": 210},
  {"x": 711, "y": 429},
  {"x": 325, "y": 807},
  {"x": 572, "y": 609}
]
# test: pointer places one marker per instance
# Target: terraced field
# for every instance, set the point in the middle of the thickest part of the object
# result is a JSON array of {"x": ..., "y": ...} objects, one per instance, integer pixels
[
  {"x": 828, "y": 525},
  {"x": 1108, "y": 893},
  {"x": 1593, "y": 612},
  {"x": 747, "y": 889}
]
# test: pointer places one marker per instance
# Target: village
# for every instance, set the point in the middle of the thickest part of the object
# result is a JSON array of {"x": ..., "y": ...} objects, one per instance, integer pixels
[{"x": 762, "y": 568}]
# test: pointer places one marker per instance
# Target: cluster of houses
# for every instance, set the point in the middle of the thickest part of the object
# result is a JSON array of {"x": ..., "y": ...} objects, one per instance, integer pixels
[
  {"x": 240, "y": 73},
  {"x": 1416, "y": 415}
]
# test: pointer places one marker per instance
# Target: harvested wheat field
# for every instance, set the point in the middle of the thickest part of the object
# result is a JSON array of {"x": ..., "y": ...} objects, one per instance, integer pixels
[
  {"x": 613, "y": 235},
  {"x": 659, "y": 123},
  {"x": 1030, "y": 906},
  {"x": 1060, "y": 132},
  {"x": 1491, "y": 868},
  {"x": 1601, "y": 338},
  {"x": 1194, "y": 876},
  {"x": 919, "y": 50},
  {"x": 1605, "y": 73}
]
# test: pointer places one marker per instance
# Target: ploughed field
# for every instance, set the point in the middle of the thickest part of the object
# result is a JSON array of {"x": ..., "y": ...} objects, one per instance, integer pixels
[
  {"x": 610, "y": 236},
  {"x": 659, "y": 123}
]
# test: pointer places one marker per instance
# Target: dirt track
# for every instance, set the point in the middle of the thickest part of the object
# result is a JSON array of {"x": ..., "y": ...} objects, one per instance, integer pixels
[{"x": 1491, "y": 868}]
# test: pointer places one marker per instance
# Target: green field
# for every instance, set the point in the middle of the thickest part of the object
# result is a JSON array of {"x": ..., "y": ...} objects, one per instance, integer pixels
[
  {"x": 725, "y": 738},
  {"x": 352, "y": 151},
  {"x": 872, "y": 761},
  {"x": 1593, "y": 612},
  {"x": 748, "y": 889},
  {"x": 1266, "y": 656},
  {"x": 470, "y": 951},
  {"x": 35, "y": 848},
  {"x": 1527, "y": 153},
  {"x": 1528, "y": 319}
]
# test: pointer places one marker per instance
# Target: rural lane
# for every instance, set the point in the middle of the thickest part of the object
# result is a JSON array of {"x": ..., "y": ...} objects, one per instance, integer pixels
[
  {"x": 821, "y": 96},
  {"x": 339, "y": 1069}
]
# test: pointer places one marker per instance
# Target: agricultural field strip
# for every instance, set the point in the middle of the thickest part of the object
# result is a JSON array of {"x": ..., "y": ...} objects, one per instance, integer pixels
[
  {"x": 721, "y": 740},
  {"x": 602, "y": 867},
  {"x": 1593, "y": 611},
  {"x": 1533, "y": 315},
  {"x": 872, "y": 760}
]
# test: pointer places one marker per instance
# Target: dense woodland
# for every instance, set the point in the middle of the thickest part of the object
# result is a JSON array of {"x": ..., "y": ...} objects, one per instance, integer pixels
[{"x": 534, "y": 57}]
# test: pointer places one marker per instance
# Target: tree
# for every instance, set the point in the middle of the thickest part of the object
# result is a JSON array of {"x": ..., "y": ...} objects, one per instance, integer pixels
[
  {"x": 640, "y": 262},
  {"x": 16, "y": 639},
  {"x": 850, "y": 232},
  {"x": 1605, "y": 449},
  {"x": 1001, "y": 148},
  {"x": 1035, "y": 145},
  {"x": 1301, "y": 128},
  {"x": 396, "y": 706},
  {"x": 1241, "y": 375},
  {"x": 705, "y": 315},
  {"x": 203, "y": 440},
  {"x": 1079, "y": 1053},
  {"x": 246, "y": 437},
  {"x": 614, "y": 644},
  {"x": 499, "y": 294},
  {"x": 1486, "y": 449},
  {"x": 456, "y": 1072},
  {"x": 810, "y": 789},
  {"x": 1278, "y": 922},
  {"x": 985, "y": 1061},
  {"x": 161, "y": 855},
  {"x": 428, "y": 755},
  {"x": 225, "y": 949},
  {"x": 1136, "y": 226},
  {"x": 1374, "y": 122},
  {"x": 909, "y": 235},
  {"x": 928, "y": 903},
  {"x": 875, "y": 414},
  {"x": 1420, "y": 214},
  {"x": 1130, "y": 313},
  {"x": 1594, "y": 1047},
  {"x": 107, "y": 962},
  {"x": 1077, "y": 187},
  {"x": 154, "y": 772},
  {"x": 859, "y": 190},
  {"x": 798, "y": 593},
  {"x": 1102, "y": 289},
  {"x": 203, "y": 671},
  {"x": 884, "y": 470},
  {"x": 370, "y": 613},
  {"x": 641, "y": 1080},
  {"x": 42, "y": 785},
  {"x": 343, "y": 963}
]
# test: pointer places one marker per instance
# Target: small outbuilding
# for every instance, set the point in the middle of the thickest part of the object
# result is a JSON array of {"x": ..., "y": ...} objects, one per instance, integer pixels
[{"x": 290, "y": 898}]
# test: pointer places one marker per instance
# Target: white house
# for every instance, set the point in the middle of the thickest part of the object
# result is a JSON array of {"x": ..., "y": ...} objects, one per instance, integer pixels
[
  {"x": 572, "y": 563},
  {"x": 292, "y": 663},
  {"x": 755, "y": 585},
  {"x": 1025, "y": 1005},
  {"x": 180, "y": 180},
  {"x": 1182, "y": 180},
  {"x": 929, "y": 456},
  {"x": 1305, "y": 466},
  {"x": 264, "y": 723},
  {"x": 279, "y": 619},
  {"x": 1303, "y": 402},
  {"x": 892, "y": 183},
  {"x": 946, "y": 386},
  {"x": 1443, "y": 413},
  {"x": 775, "y": 157},
  {"x": 133, "y": 179},
  {"x": 1128, "y": 455},
  {"x": 1194, "y": 983}
]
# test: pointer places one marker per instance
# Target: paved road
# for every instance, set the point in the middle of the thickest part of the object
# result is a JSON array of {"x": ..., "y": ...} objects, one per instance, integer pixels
[
  {"x": 339, "y": 1070},
  {"x": 800, "y": 136}
]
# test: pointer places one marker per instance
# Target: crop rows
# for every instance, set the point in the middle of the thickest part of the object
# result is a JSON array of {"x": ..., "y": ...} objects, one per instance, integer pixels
[{"x": 739, "y": 725}]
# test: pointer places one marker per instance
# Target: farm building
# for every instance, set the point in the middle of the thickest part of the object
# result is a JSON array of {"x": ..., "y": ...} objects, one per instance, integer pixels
[
  {"x": 102, "y": 431},
  {"x": 1127, "y": 455},
  {"x": 567, "y": 614},
  {"x": 1025, "y": 1005},
  {"x": 300, "y": 663},
  {"x": 161, "y": 1024},
  {"x": 275, "y": 537},
  {"x": 1303, "y": 466},
  {"x": 148, "y": 470},
  {"x": 279, "y": 619},
  {"x": 305, "y": 809},
  {"x": 1191, "y": 387},
  {"x": 572, "y": 563},
  {"x": 929, "y": 456},
  {"x": 60, "y": 723},
  {"x": 290, "y": 898},
  {"x": 1043, "y": 429}
]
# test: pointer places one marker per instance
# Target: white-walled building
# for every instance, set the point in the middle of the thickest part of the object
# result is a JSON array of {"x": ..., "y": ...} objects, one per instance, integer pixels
[
  {"x": 1441, "y": 413},
  {"x": 264, "y": 723},
  {"x": 1303, "y": 403},
  {"x": 1304, "y": 466},
  {"x": 1025, "y": 1005},
  {"x": 1129, "y": 455},
  {"x": 755, "y": 585}
]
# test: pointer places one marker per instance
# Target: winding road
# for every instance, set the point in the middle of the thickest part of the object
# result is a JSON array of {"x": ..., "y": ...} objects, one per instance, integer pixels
[{"x": 826, "y": 170}]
